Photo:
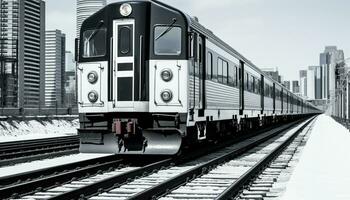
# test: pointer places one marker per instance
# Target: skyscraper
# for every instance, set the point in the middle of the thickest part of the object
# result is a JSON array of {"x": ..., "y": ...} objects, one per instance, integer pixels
[
  {"x": 22, "y": 35},
  {"x": 55, "y": 51},
  {"x": 330, "y": 62},
  {"x": 70, "y": 82},
  {"x": 8, "y": 54},
  {"x": 303, "y": 83},
  {"x": 295, "y": 87},
  {"x": 287, "y": 85},
  {"x": 86, "y": 8}
]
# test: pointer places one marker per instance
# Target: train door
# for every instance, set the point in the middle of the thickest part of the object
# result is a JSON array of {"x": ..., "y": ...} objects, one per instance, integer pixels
[
  {"x": 123, "y": 63},
  {"x": 201, "y": 74},
  {"x": 241, "y": 87},
  {"x": 197, "y": 75}
]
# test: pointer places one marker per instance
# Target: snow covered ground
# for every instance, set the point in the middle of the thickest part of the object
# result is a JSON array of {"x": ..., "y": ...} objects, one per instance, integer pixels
[
  {"x": 323, "y": 168},
  {"x": 41, "y": 164},
  {"x": 12, "y": 130}
]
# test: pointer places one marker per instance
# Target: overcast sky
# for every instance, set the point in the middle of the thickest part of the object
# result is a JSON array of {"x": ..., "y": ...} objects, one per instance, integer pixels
[{"x": 288, "y": 34}]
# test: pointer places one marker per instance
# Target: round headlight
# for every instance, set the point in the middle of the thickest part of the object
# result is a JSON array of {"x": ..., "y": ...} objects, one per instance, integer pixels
[
  {"x": 92, "y": 77},
  {"x": 166, "y": 75},
  {"x": 93, "y": 96},
  {"x": 166, "y": 96},
  {"x": 125, "y": 9}
]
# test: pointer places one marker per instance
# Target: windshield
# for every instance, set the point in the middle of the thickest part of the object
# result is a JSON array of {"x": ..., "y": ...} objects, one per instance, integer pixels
[
  {"x": 94, "y": 43},
  {"x": 167, "y": 40}
]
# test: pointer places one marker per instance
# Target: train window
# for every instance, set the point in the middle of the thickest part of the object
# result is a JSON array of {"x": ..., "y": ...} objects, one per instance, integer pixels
[
  {"x": 215, "y": 72},
  {"x": 209, "y": 65},
  {"x": 253, "y": 84},
  {"x": 231, "y": 75},
  {"x": 167, "y": 40},
  {"x": 257, "y": 86},
  {"x": 224, "y": 71},
  {"x": 220, "y": 70},
  {"x": 125, "y": 41},
  {"x": 247, "y": 81},
  {"x": 235, "y": 84},
  {"x": 94, "y": 42}
]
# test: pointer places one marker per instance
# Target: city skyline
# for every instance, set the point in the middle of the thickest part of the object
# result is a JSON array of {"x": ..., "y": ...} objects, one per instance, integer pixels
[{"x": 263, "y": 35}]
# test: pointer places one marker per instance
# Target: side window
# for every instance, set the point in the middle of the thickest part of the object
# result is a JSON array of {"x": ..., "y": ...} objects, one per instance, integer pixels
[
  {"x": 231, "y": 73},
  {"x": 209, "y": 65},
  {"x": 214, "y": 76},
  {"x": 224, "y": 71},
  {"x": 248, "y": 80},
  {"x": 235, "y": 73},
  {"x": 253, "y": 84},
  {"x": 220, "y": 70}
]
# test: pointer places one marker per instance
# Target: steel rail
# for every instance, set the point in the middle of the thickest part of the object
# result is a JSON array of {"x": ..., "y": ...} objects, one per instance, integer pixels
[
  {"x": 112, "y": 182},
  {"x": 46, "y": 178},
  {"x": 239, "y": 184}
]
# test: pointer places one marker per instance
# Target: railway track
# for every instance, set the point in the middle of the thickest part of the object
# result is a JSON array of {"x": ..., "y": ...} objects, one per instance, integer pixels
[
  {"x": 146, "y": 181},
  {"x": 28, "y": 150}
]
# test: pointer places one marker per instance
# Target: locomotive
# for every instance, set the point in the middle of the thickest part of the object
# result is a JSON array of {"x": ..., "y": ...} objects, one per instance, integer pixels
[{"x": 151, "y": 79}]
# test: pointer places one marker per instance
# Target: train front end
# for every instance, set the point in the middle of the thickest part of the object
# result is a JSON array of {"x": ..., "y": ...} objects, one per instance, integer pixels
[{"x": 132, "y": 79}]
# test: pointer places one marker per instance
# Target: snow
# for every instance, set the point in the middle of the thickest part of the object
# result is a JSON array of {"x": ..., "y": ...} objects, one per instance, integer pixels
[
  {"x": 323, "y": 169},
  {"x": 13, "y": 130},
  {"x": 41, "y": 164}
]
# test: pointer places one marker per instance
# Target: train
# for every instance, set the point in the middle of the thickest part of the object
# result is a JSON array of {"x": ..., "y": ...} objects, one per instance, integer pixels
[{"x": 151, "y": 79}]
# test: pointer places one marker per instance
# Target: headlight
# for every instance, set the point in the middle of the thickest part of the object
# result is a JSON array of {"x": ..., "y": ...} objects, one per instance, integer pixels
[
  {"x": 125, "y": 9},
  {"x": 166, "y": 75},
  {"x": 93, "y": 96},
  {"x": 166, "y": 96},
  {"x": 92, "y": 77}
]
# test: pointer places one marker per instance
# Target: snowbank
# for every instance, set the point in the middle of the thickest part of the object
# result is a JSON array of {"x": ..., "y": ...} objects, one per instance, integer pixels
[
  {"x": 323, "y": 169},
  {"x": 17, "y": 129}
]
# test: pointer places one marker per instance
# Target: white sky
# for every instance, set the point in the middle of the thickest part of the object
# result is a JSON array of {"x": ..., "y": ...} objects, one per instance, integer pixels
[{"x": 288, "y": 34}]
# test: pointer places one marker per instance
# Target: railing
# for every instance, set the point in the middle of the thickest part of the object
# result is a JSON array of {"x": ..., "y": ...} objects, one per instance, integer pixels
[
  {"x": 24, "y": 112},
  {"x": 342, "y": 121}
]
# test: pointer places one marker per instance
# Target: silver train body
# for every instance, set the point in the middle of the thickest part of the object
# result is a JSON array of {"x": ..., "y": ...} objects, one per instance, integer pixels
[{"x": 151, "y": 78}]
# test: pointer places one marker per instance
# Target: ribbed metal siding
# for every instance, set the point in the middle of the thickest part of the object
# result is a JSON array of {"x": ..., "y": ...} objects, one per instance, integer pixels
[
  {"x": 278, "y": 106},
  {"x": 268, "y": 104},
  {"x": 252, "y": 101},
  {"x": 221, "y": 96}
]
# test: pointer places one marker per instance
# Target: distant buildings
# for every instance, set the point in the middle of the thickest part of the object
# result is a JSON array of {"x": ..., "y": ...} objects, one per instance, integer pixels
[
  {"x": 273, "y": 73},
  {"x": 303, "y": 83},
  {"x": 295, "y": 88},
  {"x": 86, "y": 8},
  {"x": 55, "y": 68},
  {"x": 70, "y": 82},
  {"x": 22, "y": 36},
  {"x": 287, "y": 84}
]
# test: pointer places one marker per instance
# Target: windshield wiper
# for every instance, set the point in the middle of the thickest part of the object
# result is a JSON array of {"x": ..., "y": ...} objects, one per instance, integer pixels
[
  {"x": 97, "y": 28},
  {"x": 168, "y": 29}
]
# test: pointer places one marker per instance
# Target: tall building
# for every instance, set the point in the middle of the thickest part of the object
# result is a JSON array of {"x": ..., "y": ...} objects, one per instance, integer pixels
[
  {"x": 8, "y": 54},
  {"x": 22, "y": 34},
  {"x": 86, "y": 8},
  {"x": 55, "y": 68},
  {"x": 303, "y": 83},
  {"x": 311, "y": 74},
  {"x": 295, "y": 87},
  {"x": 331, "y": 65},
  {"x": 287, "y": 85},
  {"x": 70, "y": 83}
]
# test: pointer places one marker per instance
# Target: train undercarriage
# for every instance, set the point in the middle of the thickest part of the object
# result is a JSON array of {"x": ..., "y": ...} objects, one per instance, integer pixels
[{"x": 161, "y": 134}]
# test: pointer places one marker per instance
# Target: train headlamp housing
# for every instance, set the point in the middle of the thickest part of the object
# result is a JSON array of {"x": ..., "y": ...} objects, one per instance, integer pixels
[
  {"x": 125, "y": 9},
  {"x": 93, "y": 96},
  {"x": 92, "y": 77},
  {"x": 166, "y": 96},
  {"x": 166, "y": 75}
]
